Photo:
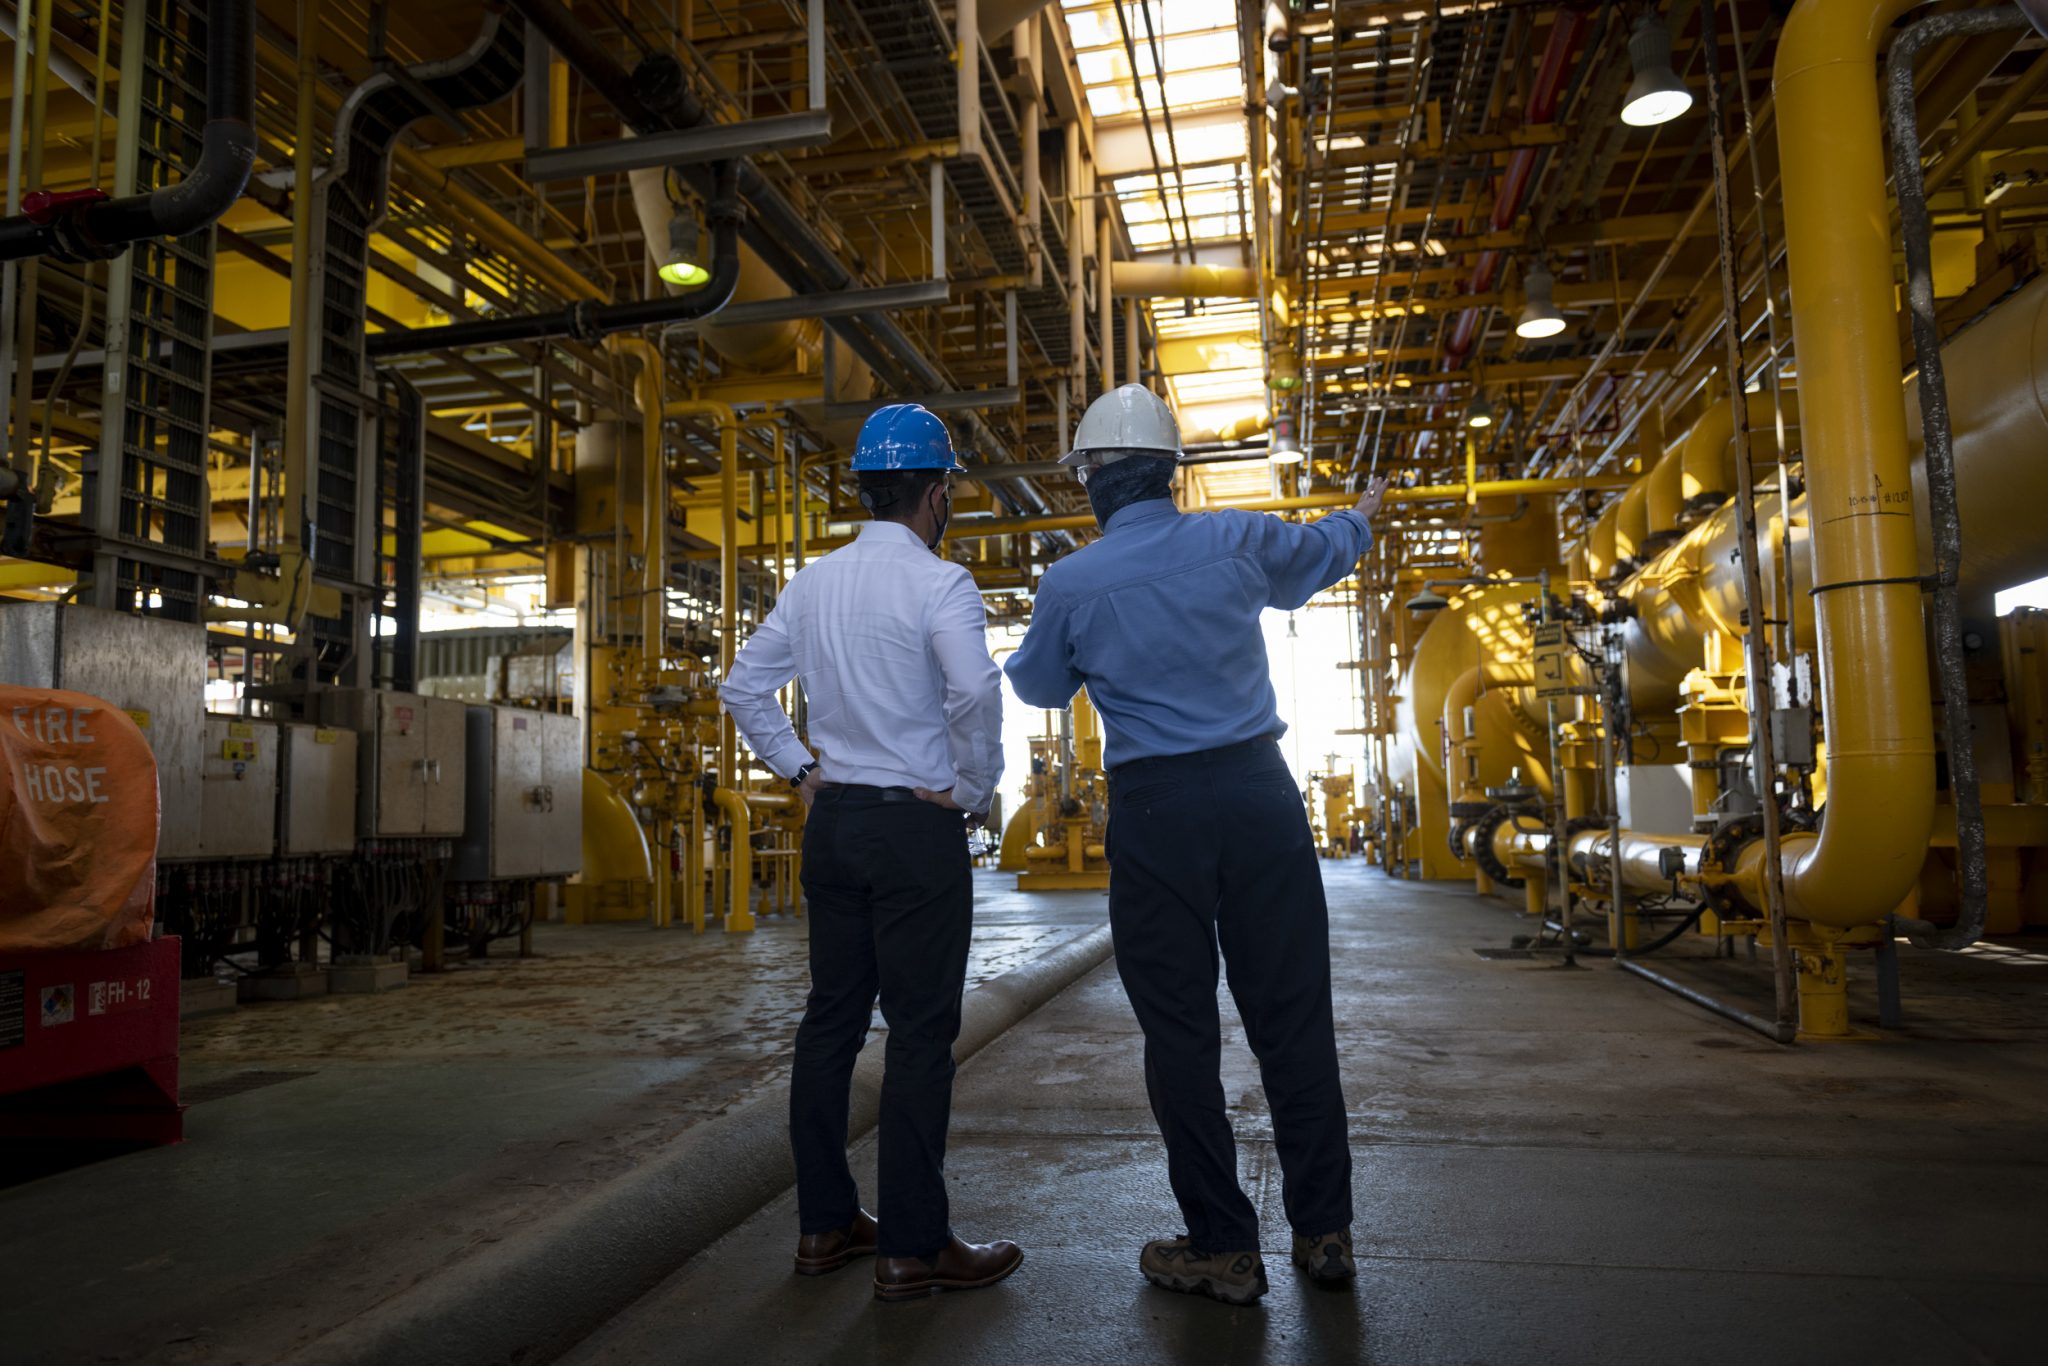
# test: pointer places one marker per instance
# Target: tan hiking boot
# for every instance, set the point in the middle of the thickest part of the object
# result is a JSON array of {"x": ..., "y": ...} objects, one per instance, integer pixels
[
  {"x": 1327, "y": 1258},
  {"x": 1177, "y": 1264}
]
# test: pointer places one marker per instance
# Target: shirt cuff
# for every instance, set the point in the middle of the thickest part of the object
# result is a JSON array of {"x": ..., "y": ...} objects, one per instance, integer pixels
[
  {"x": 789, "y": 759},
  {"x": 971, "y": 796}
]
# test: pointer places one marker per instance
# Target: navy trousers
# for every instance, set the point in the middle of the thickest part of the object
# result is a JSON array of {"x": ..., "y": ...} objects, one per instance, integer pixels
[
  {"x": 891, "y": 906},
  {"x": 1212, "y": 850}
]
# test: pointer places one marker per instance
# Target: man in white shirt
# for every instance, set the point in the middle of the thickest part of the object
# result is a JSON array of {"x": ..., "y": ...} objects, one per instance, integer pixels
[{"x": 890, "y": 644}]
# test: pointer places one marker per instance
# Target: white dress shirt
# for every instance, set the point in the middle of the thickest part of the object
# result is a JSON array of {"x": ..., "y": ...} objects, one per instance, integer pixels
[{"x": 890, "y": 643}]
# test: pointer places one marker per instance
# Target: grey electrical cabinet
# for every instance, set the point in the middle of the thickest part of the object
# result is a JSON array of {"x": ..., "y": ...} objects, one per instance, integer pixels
[
  {"x": 316, "y": 804},
  {"x": 153, "y": 669},
  {"x": 409, "y": 761},
  {"x": 237, "y": 788},
  {"x": 525, "y": 796}
]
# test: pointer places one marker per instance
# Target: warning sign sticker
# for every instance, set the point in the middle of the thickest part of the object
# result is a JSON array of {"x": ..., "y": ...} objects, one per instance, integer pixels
[{"x": 58, "y": 1006}]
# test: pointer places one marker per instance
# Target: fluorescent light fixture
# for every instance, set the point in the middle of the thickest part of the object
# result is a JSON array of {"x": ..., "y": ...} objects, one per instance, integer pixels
[
  {"x": 1657, "y": 94},
  {"x": 1540, "y": 317}
]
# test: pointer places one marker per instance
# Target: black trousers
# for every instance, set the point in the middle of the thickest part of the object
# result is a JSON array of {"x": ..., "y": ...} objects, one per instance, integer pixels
[
  {"x": 891, "y": 908},
  {"x": 1215, "y": 848}
]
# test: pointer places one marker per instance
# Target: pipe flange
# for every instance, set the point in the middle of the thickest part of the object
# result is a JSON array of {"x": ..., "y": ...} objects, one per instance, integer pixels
[
  {"x": 1720, "y": 853},
  {"x": 583, "y": 323},
  {"x": 1480, "y": 841},
  {"x": 1466, "y": 811}
]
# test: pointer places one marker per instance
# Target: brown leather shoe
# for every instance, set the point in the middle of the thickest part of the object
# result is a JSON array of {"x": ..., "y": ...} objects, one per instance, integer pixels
[
  {"x": 818, "y": 1253},
  {"x": 959, "y": 1266}
]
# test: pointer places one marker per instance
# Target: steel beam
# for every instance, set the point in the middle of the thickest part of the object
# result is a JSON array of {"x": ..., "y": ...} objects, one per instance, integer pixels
[{"x": 705, "y": 142}]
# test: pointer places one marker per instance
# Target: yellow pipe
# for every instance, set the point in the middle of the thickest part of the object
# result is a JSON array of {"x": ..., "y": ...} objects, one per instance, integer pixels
[
  {"x": 1632, "y": 522},
  {"x": 286, "y": 597},
  {"x": 614, "y": 846},
  {"x": 740, "y": 918},
  {"x": 648, "y": 392},
  {"x": 1880, "y": 754},
  {"x": 1164, "y": 280},
  {"x": 1492, "y": 733},
  {"x": 1600, "y": 549},
  {"x": 1018, "y": 832},
  {"x": 728, "y": 552},
  {"x": 1663, "y": 490}
]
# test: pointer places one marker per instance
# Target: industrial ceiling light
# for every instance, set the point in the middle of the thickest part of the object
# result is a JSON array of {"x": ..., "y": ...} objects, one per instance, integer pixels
[
  {"x": 1480, "y": 414},
  {"x": 1283, "y": 447},
  {"x": 1540, "y": 317},
  {"x": 683, "y": 264},
  {"x": 1657, "y": 95},
  {"x": 1428, "y": 600}
]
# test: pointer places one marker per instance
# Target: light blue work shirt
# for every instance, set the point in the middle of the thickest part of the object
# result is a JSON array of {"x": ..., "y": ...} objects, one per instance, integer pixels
[{"x": 1160, "y": 619}]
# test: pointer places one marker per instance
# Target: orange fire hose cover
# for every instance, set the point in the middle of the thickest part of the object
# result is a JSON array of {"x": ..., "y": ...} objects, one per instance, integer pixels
[{"x": 78, "y": 824}]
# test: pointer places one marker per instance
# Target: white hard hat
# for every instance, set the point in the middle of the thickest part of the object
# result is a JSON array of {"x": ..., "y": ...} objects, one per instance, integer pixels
[{"x": 1131, "y": 420}]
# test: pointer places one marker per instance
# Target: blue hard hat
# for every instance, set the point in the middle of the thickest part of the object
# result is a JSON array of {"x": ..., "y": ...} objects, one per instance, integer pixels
[{"x": 904, "y": 436}]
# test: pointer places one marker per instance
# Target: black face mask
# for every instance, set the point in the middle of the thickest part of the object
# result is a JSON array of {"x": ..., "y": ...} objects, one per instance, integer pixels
[{"x": 939, "y": 534}]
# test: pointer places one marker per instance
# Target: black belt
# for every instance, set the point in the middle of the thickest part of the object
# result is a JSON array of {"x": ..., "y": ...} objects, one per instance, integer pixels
[{"x": 868, "y": 793}]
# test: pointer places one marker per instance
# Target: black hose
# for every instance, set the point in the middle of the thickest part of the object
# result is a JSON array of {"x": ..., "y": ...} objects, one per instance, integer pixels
[
  {"x": 82, "y": 228},
  {"x": 1938, "y": 439},
  {"x": 1663, "y": 941}
]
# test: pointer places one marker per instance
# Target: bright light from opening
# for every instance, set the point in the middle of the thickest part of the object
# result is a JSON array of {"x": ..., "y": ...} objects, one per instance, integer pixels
[{"x": 2020, "y": 595}]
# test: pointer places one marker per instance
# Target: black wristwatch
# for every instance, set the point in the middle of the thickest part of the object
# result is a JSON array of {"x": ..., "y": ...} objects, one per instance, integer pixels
[{"x": 803, "y": 773}]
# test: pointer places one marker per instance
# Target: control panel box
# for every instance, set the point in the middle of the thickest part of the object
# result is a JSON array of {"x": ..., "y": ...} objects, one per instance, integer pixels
[
  {"x": 316, "y": 805},
  {"x": 525, "y": 799},
  {"x": 153, "y": 669},
  {"x": 409, "y": 761},
  {"x": 237, "y": 788}
]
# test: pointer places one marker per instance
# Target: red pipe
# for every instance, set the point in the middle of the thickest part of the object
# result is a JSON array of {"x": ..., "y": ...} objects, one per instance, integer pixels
[{"x": 1514, "y": 181}]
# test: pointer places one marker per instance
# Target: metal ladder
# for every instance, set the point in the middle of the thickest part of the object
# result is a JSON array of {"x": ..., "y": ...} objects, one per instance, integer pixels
[{"x": 152, "y": 516}]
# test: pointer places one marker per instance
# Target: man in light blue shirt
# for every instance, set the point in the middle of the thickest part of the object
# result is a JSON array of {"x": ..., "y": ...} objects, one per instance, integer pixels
[{"x": 1208, "y": 837}]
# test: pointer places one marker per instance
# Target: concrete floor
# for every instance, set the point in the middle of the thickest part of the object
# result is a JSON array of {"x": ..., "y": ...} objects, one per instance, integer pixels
[
  {"x": 341, "y": 1148},
  {"x": 1552, "y": 1165}
]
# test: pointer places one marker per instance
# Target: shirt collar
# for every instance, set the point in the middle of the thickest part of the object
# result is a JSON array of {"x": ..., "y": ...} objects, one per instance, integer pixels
[
  {"x": 891, "y": 531},
  {"x": 1149, "y": 510}
]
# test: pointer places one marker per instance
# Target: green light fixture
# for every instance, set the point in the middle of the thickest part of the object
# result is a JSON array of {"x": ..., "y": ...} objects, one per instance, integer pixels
[{"x": 683, "y": 263}]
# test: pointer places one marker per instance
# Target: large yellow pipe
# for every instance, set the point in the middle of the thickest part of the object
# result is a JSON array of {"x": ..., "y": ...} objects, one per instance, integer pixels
[
  {"x": 1880, "y": 756},
  {"x": 614, "y": 846},
  {"x": 1165, "y": 280},
  {"x": 1498, "y": 714}
]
